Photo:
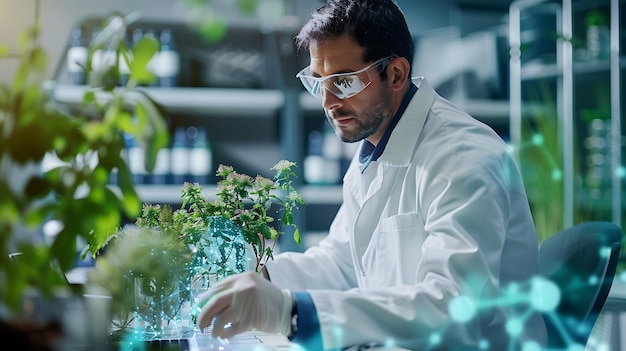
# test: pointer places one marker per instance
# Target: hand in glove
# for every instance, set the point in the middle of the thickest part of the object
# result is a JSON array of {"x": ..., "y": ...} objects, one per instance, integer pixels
[{"x": 245, "y": 301}]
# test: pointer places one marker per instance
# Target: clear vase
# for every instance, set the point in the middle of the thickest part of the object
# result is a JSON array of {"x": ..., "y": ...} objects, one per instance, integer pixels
[
  {"x": 221, "y": 252},
  {"x": 158, "y": 306}
]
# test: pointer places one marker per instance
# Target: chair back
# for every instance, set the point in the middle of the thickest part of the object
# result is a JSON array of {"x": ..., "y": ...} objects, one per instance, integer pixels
[{"x": 581, "y": 261}]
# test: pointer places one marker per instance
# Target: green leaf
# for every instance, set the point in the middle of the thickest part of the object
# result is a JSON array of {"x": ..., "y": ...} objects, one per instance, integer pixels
[
  {"x": 156, "y": 135},
  {"x": 269, "y": 252},
  {"x": 37, "y": 188},
  {"x": 9, "y": 212},
  {"x": 38, "y": 214},
  {"x": 89, "y": 97},
  {"x": 12, "y": 295},
  {"x": 29, "y": 108},
  {"x": 23, "y": 70},
  {"x": 23, "y": 147},
  {"x": 248, "y": 7},
  {"x": 38, "y": 58},
  {"x": 194, "y": 3},
  {"x": 266, "y": 231},
  {"x": 213, "y": 29},
  {"x": 296, "y": 235},
  {"x": 5, "y": 99},
  {"x": 130, "y": 201},
  {"x": 109, "y": 155},
  {"x": 64, "y": 243},
  {"x": 287, "y": 218},
  {"x": 27, "y": 37},
  {"x": 105, "y": 225},
  {"x": 105, "y": 77},
  {"x": 143, "y": 51},
  {"x": 100, "y": 175},
  {"x": 70, "y": 140}
]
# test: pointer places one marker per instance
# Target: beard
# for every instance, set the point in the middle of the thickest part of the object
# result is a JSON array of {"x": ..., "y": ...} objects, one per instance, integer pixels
[{"x": 368, "y": 122}]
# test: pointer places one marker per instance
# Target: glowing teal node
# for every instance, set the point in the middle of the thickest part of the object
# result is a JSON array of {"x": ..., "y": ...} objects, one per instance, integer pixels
[
  {"x": 593, "y": 280},
  {"x": 531, "y": 346},
  {"x": 537, "y": 139},
  {"x": 620, "y": 172},
  {"x": 483, "y": 345},
  {"x": 435, "y": 339},
  {"x": 544, "y": 295},
  {"x": 576, "y": 347},
  {"x": 514, "y": 326},
  {"x": 338, "y": 332},
  {"x": 557, "y": 175},
  {"x": 462, "y": 309},
  {"x": 513, "y": 288},
  {"x": 605, "y": 251},
  {"x": 390, "y": 343},
  {"x": 296, "y": 347}
]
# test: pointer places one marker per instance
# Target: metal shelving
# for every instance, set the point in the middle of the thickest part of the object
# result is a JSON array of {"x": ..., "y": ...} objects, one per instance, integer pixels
[
  {"x": 205, "y": 103},
  {"x": 564, "y": 71},
  {"x": 262, "y": 103},
  {"x": 312, "y": 194}
]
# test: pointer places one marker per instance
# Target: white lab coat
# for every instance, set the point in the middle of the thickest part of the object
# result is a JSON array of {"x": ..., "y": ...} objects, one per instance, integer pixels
[{"x": 441, "y": 213}]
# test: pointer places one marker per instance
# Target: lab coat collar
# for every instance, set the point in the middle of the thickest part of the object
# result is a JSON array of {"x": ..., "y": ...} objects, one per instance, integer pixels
[
  {"x": 369, "y": 152},
  {"x": 401, "y": 144},
  {"x": 398, "y": 152}
]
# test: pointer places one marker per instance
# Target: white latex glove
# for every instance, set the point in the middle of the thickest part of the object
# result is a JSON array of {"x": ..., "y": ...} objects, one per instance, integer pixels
[{"x": 243, "y": 302}]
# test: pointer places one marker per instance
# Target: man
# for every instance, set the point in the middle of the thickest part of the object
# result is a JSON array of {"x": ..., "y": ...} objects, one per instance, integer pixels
[{"x": 434, "y": 226}]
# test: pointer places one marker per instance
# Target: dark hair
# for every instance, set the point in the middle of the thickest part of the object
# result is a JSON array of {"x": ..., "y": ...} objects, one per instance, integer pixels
[{"x": 378, "y": 26}]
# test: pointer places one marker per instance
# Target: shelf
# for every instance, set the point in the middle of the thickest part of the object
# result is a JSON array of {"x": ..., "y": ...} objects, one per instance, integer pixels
[
  {"x": 586, "y": 201},
  {"x": 206, "y": 101},
  {"x": 488, "y": 110},
  {"x": 310, "y": 103},
  {"x": 171, "y": 194},
  {"x": 168, "y": 194},
  {"x": 322, "y": 194},
  {"x": 534, "y": 71}
]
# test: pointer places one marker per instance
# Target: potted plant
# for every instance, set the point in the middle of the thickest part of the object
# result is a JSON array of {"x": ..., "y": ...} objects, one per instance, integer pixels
[
  {"x": 246, "y": 202},
  {"x": 87, "y": 145},
  {"x": 196, "y": 245}
]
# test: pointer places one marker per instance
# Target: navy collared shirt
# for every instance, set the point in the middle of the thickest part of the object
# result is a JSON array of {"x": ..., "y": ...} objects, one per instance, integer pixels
[{"x": 369, "y": 152}]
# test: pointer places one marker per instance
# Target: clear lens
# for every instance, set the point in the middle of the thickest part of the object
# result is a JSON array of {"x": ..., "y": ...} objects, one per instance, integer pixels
[
  {"x": 342, "y": 85},
  {"x": 348, "y": 86}
]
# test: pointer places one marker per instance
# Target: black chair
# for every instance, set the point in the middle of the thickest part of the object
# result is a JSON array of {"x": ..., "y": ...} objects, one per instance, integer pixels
[{"x": 581, "y": 261}]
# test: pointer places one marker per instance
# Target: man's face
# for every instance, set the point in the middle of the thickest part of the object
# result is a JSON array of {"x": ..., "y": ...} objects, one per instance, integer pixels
[{"x": 364, "y": 115}]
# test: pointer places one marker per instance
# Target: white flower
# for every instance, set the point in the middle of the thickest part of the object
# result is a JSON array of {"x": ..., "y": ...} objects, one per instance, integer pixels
[{"x": 283, "y": 165}]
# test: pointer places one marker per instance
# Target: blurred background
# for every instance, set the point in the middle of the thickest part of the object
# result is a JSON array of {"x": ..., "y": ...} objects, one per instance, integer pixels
[{"x": 231, "y": 90}]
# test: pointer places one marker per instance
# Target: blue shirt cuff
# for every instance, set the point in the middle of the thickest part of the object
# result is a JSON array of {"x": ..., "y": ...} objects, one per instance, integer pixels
[{"x": 308, "y": 334}]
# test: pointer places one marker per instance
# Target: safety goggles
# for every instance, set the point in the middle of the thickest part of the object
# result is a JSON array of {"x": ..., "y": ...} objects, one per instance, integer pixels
[{"x": 342, "y": 85}]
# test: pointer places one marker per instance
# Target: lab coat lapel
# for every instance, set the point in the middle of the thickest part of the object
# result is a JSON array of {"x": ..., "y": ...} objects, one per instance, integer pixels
[
  {"x": 372, "y": 209},
  {"x": 376, "y": 182},
  {"x": 405, "y": 136}
]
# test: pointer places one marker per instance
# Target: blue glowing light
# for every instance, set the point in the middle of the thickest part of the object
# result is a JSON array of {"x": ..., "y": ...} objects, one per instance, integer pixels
[
  {"x": 462, "y": 309},
  {"x": 544, "y": 295}
]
